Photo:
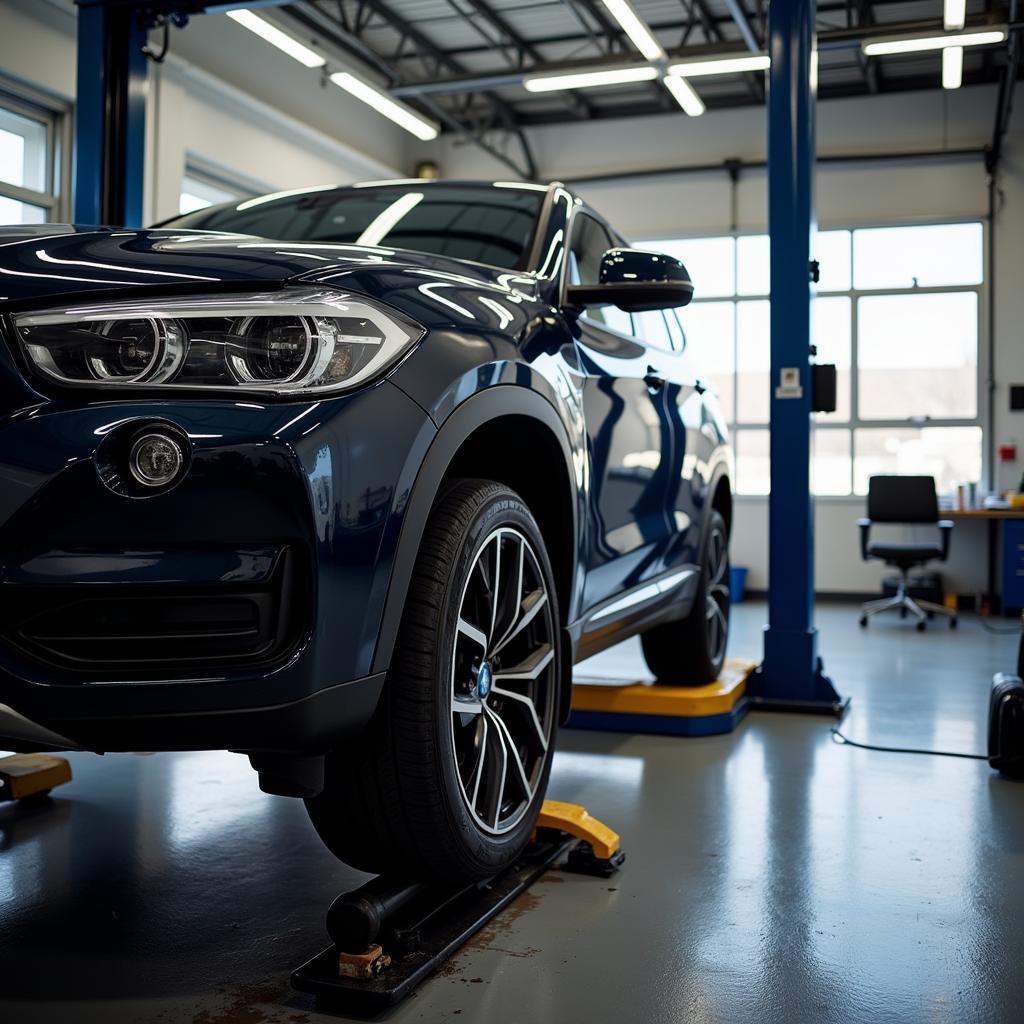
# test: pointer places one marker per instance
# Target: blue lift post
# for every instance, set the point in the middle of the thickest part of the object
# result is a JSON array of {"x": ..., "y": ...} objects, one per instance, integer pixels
[
  {"x": 791, "y": 677},
  {"x": 110, "y": 112},
  {"x": 110, "y": 115}
]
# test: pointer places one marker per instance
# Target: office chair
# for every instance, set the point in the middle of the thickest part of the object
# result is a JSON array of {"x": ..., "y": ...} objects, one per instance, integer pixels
[{"x": 906, "y": 500}]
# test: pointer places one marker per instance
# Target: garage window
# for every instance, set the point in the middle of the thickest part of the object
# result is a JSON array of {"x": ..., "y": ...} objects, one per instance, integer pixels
[
  {"x": 199, "y": 191},
  {"x": 30, "y": 162},
  {"x": 897, "y": 309}
]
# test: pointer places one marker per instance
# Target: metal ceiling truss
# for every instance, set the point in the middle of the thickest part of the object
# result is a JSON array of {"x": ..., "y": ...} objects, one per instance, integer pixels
[
  {"x": 446, "y": 80},
  {"x": 497, "y": 132}
]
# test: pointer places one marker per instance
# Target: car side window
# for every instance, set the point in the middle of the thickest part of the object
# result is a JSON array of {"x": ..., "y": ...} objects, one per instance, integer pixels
[
  {"x": 589, "y": 243},
  {"x": 651, "y": 327}
]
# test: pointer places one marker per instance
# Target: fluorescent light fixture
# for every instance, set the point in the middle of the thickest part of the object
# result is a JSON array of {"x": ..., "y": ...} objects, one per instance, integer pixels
[
  {"x": 721, "y": 66},
  {"x": 954, "y": 12},
  {"x": 382, "y": 225},
  {"x": 685, "y": 95},
  {"x": 915, "y": 44},
  {"x": 634, "y": 27},
  {"x": 589, "y": 79},
  {"x": 952, "y": 67},
  {"x": 273, "y": 35},
  {"x": 402, "y": 115}
]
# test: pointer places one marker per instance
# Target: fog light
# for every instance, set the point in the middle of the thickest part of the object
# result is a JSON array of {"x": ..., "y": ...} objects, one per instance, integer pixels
[{"x": 155, "y": 460}]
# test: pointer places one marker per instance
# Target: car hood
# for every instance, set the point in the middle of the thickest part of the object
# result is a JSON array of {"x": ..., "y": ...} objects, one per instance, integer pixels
[{"x": 42, "y": 264}]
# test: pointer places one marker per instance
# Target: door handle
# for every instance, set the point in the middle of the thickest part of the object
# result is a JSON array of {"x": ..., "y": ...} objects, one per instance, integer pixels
[{"x": 653, "y": 379}]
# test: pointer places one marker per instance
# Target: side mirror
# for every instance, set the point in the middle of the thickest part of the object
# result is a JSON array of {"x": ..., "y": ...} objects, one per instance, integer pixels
[{"x": 635, "y": 281}]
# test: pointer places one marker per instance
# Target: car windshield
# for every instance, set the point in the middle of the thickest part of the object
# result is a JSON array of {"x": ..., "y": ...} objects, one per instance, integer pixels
[{"x": 484, "y": 223}]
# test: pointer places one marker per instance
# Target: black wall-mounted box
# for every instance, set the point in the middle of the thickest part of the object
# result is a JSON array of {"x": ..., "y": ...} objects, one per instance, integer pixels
[{"x": 823, "y": 387}]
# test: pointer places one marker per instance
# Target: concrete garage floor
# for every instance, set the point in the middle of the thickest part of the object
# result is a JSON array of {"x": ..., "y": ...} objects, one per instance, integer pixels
[{"x": 772, "y": 875}]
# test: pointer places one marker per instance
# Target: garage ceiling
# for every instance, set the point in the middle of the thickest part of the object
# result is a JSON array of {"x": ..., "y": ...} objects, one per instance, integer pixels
[{"x": 434, "y": 51}]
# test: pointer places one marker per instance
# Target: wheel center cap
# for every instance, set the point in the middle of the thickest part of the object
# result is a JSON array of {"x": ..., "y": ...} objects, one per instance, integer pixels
[{"x": 483, "y": 679}]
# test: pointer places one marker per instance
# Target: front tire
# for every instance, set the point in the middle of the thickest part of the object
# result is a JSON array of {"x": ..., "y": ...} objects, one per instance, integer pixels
[
  {"x": 447, "y": 780},
  {"x": 692, "y": 652}
]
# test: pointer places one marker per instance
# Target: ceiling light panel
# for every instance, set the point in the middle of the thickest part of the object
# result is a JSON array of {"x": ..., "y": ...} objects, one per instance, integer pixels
[
  {"x": 685, "y": 95},
  {"x": 589, "y": 79},
  {"x": 405, "y": 117},
  {"x": 636, "y": 28},
  {"x": 918, "y": 44},
  {"x": 721, "y": 66},
  {"x": 273, "y": 35}
]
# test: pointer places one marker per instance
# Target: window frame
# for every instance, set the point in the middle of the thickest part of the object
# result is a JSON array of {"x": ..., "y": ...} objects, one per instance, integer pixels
[
  {"x": 55, "y": 115},
  {"x": 855, "y": 423},
  {"x": 216, "y": 177}
]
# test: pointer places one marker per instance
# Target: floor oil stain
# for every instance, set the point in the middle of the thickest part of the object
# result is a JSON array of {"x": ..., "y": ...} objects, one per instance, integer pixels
[
  {"x": 247, "y": 1004},
  {"x": 488, "y": 937}
]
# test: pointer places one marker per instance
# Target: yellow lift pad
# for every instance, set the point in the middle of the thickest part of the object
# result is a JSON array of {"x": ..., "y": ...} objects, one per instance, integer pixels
[
  {"x": 634, "y": 706},
  {"x": 24, "y": 775}
]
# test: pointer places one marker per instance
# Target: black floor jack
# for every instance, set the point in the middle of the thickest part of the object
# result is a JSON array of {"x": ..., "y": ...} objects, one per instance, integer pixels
[{"x": 1006, "y": 720}]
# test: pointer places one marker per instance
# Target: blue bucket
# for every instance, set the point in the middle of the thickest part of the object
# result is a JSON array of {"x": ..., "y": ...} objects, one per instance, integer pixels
[{"x": 738, "y": 583}]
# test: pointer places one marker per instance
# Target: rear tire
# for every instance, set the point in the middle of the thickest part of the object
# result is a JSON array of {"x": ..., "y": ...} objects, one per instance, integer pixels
[
  {"x": 448, "y": 779},
  {"x": 692, "y": 652}
]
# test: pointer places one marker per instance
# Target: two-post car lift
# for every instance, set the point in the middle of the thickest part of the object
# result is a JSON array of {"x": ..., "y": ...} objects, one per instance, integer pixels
[{"x": 391, "y": 934}]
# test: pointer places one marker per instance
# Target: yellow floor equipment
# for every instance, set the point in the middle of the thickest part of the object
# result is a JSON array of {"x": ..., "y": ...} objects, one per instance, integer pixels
[{"x": 621, "y": 706}]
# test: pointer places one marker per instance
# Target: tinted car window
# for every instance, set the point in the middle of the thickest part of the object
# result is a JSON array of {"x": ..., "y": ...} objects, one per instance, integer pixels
[
  {"x": 486, "y": 225},
  {"x": 590, "y": 242}
]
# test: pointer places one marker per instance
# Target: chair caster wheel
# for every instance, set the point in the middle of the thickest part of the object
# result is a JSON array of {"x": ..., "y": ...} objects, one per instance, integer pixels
[
  {"x": 903, "y": 613},
  {"x": 921, "y": 626},
  {"x": 863, "y": 622},
  {"x": 952, "y": 622}
]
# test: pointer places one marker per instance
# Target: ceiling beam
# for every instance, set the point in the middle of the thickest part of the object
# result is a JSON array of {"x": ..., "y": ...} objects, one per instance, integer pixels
[
  {"x": 524, "y": 48},
  {"x": 747, "y": 33},
  {"x": 616, "y": 35},
  {"x": 755, "y": 82},
  {"x": 310, "y": 15}
]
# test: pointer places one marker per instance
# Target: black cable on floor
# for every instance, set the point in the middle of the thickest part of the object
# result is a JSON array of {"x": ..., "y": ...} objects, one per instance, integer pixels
[
  {"x": 998, "y": 630},
  {"x": 839, "y": 738}
]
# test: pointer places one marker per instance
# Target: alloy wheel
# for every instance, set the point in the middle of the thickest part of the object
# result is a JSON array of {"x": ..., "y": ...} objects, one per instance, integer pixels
[
  {"x": 503, "y": 681},
  {"x": 716, "y": 601}
]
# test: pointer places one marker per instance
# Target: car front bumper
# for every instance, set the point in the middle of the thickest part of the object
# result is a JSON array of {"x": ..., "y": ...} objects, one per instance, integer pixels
[{"x": 240, "y": 609}]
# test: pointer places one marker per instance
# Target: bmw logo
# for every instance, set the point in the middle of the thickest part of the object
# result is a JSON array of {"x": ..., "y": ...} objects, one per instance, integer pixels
[{"x": 483, "y": 680}]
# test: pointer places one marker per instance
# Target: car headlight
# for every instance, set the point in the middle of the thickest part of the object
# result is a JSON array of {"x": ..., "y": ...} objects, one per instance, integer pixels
[{"x": 296, "y": 340}]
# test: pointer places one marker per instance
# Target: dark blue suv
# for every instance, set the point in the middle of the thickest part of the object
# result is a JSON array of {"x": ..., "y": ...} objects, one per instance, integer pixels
[{"x": 347, "y": 480}]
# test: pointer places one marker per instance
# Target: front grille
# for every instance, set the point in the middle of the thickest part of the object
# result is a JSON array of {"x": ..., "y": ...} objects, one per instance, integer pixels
[{"x": 113, "y": 628}]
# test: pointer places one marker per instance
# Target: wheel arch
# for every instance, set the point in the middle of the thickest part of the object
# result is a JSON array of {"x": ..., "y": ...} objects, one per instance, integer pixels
[
  {"x": 540, "y": 470},
  {"x": 536, "y": 471},
  {"x": 721, "y": 498}
]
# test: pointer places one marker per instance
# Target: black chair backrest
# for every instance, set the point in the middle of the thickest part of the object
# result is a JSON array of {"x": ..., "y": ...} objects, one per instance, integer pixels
[{"x": 902, "y": 499}]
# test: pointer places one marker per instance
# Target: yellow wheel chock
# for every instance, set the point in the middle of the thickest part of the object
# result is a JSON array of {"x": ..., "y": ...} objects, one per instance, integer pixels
[{"x": 577, "y": 821}]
